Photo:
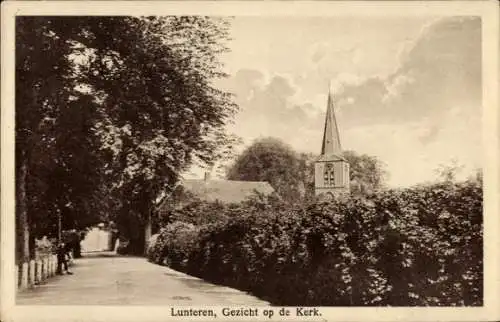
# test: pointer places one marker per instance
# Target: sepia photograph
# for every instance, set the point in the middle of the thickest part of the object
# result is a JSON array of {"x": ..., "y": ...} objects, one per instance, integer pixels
[{"x": 249, "y": 162}]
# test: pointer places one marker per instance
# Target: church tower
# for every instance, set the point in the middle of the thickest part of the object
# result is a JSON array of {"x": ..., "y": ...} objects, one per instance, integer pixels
[{"x": 331, "y": 169}]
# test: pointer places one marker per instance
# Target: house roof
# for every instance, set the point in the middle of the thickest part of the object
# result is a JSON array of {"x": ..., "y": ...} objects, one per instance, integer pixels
[{"x": 226, "y": 191}]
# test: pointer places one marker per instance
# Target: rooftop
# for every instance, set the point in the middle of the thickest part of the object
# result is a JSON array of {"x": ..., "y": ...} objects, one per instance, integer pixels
[{"x": 226, "y": 191}]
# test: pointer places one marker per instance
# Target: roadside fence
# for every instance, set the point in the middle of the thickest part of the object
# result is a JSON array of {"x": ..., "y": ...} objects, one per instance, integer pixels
[{"x": 34, "y": 272}]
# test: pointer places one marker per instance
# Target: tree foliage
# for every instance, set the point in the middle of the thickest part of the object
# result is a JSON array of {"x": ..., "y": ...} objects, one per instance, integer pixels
[
  {"x": 271, "y": 160},
  {"x": 367, "y": 173},
  {"x": 109, "y": 111},
  {"x": 292, "y": 173}
]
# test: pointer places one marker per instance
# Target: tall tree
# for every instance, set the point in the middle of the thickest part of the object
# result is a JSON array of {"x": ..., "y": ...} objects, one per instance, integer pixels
[
  {"x": 114, "y": 108},
  {"x": 42, "y": 83},
  {"x": 271, "y": 160},
  {"x": 367, "y": 173}
]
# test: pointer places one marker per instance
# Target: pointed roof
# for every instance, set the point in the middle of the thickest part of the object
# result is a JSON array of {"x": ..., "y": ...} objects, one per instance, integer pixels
[{"x": 331, "y": 147}]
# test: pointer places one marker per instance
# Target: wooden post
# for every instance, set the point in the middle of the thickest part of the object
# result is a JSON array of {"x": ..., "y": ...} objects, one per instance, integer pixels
[
  {"x": 45, "y": 268},
  {"x": 24, "y": 275},
  {"x": 17, "y": 277},
  {"x": 42, "y": 270},
  {"x": 32, "y": 275},
  {"x": 38, "y": 277},
  {"x": 54, "y": 264},
  {"x": 50, "y": 269}
]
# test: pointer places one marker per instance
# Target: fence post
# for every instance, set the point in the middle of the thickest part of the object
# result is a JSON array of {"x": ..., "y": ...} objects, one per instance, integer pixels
[
  {"x": 17, "y": 277},
  {"x": 48, "y": 268},
  {"x": 38, "y": 277},
  {"x": 54, "y": 259},
  {"x": 32, "y": 272},
  {"x": 24, "y": 275},
  {"x": 45, "y": 268},
  {"x": 54, "y": 264}
]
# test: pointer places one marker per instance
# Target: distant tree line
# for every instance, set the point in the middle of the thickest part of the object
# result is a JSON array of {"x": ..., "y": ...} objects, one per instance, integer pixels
[{"x": 292, "y": 173}]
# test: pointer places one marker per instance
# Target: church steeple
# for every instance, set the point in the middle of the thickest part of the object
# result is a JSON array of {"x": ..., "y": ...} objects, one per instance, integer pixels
[
  {"x": 331, "y": 137},
  {"x": 331, "y": 170}
]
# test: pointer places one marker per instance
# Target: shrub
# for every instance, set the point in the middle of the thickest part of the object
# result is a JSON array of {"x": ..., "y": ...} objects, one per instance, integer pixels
[
  {"x": 418, "y": 246},
  {"x": 173, "y": 243}
]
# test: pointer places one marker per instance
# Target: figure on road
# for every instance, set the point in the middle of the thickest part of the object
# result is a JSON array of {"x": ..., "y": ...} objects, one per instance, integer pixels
[{"x": 63, "y": 250}]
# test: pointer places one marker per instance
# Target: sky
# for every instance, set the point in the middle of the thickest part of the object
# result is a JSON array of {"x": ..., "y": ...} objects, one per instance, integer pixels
[{"x": 406, "y": 89}]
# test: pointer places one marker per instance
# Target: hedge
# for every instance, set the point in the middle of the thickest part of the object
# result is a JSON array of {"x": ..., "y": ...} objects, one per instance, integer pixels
[{"x": 412, "y": 247}]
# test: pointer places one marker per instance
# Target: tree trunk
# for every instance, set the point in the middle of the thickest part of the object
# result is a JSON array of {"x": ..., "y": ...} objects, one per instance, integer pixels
[
  {"x": 22, "y": 212},
  {"x": 148, "y": 226},
  {"x": 147, "y": 232}
]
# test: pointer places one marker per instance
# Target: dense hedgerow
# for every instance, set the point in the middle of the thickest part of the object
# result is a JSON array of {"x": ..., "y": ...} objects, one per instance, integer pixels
[
  {"x": 417, "y": 246},
  {"x": 173, "y": 244}
]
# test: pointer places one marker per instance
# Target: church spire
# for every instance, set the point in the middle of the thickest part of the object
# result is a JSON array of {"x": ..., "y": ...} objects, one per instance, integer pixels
[
  {"x": 331, "y": 139},
  {"x": 331, "y": 169}
]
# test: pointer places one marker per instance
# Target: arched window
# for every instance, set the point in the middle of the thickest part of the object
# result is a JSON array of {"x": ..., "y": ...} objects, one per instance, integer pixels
[{"x": 329, "y": 175}]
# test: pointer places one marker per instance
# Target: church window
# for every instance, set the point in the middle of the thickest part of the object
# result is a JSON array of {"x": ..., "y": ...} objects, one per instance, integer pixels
[{"x": 329, "y": 175}]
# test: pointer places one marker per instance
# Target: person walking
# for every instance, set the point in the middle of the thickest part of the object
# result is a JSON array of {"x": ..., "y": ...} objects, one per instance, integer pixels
[{"x": 63, "y": 258}]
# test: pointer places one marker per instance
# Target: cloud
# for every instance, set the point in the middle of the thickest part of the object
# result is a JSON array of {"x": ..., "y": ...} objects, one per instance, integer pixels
[
  {"x": 411, "y": 157},
  {"x": 318, "y": 52},
  {"x": 428, "y": 134},
  {"x": 425, "y": 111},
  {"x": 397, "y": 85},
  {"x": 339, "y": 83},
  {"x": 428, "y": 110},
  {"x": 441, "y": 70},
  {"x": 271, "y": 109}
]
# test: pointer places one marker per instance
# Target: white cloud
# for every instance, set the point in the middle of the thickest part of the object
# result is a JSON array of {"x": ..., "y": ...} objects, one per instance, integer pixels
[
  {"x": 415, "y": 111},
  {"x": 345, "y": 79},
  {"x": 396, "y": 85}
]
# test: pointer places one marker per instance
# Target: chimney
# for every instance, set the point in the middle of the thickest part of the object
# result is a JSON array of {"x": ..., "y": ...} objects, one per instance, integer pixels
[{"x": 207, "y": 176}]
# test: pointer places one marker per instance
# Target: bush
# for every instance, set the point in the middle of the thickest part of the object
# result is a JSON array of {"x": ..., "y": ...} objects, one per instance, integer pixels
[
  {"x": 419, "y": 246},
  {"x": 173, "y": 244}
]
